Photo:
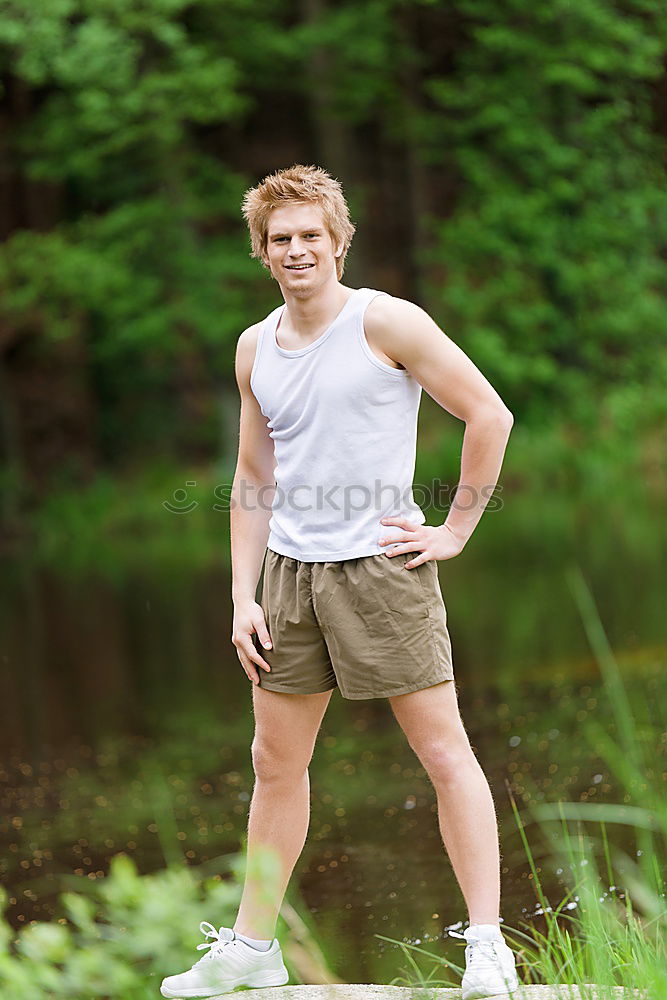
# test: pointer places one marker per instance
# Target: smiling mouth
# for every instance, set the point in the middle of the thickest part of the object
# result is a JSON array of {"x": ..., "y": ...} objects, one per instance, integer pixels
[{"x": 298, "y": 267}]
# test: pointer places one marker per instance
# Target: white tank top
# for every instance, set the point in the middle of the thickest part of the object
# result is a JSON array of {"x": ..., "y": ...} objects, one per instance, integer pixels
[{"x": 344, "y": 429}]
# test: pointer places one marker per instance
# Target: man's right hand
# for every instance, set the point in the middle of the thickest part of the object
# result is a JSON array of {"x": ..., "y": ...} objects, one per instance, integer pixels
[{"x": 248, "y": 620}]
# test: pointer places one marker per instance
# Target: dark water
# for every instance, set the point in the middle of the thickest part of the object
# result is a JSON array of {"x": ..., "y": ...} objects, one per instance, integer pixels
[{"x": 111, "y": 679}]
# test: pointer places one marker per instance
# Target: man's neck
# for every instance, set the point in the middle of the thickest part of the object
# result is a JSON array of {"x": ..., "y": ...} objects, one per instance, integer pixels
[{"x": 308, "y": 316}]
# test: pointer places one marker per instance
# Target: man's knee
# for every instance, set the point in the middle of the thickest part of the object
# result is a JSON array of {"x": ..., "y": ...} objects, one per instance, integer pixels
[
  {"x": 276, "y": 762},
  {"x": 446, "y": 762}
]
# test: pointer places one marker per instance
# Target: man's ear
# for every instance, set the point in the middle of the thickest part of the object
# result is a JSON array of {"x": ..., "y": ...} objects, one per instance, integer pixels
[{"x": 339, "y": 250}]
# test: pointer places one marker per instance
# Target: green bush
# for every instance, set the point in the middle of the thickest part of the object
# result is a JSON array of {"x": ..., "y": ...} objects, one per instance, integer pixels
[{"x": 119, "y": 937}]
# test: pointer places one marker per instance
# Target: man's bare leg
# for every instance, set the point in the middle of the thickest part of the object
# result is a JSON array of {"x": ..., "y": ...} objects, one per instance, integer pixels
[
  {"x": 286, "y": 726},
  {"x": 430, "y": 719}
]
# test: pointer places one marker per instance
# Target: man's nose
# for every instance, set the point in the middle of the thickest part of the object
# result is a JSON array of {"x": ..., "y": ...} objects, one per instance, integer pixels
[{"x": 295, "y": 248}]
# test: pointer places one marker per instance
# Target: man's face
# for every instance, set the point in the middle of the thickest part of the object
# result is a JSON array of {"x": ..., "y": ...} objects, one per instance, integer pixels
[{"x": 299, "y": 250}]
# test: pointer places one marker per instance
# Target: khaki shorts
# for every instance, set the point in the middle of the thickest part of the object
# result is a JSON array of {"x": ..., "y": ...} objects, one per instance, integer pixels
[{"x": 365, "y": 625}]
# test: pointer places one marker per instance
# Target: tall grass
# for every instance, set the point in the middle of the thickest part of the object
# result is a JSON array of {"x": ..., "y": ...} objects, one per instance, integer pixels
[{"x": 607, "y": 935}]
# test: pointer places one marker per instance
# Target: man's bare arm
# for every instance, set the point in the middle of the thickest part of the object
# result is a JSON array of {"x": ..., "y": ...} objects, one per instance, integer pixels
[
  {"x": 252, "y": 495},
  {"x": 408, "y": 335}
]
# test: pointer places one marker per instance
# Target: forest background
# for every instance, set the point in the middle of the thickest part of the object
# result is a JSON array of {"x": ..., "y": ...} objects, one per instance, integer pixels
[
  {"x": 505, "y": 167},
  {"x": 505, "y": 162}
]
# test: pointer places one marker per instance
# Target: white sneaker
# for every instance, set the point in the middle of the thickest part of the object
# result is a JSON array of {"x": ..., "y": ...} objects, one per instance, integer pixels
[
  {"x": 229, "y": 963},
  {"x": 490, "y": 966}
]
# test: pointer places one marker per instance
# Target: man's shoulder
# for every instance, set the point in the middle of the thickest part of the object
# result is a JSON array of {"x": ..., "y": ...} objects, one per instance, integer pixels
[
  {"x": 388, "y": 313},
  {"x": 246, "y": 343},
  {"x": 246, "y": 348},
  {"x": 249, "y": 336}
]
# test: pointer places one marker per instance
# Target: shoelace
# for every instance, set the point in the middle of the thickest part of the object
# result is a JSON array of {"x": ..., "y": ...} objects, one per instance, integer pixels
[
  {"x": 221, "y": 938},
  {"x": 481, "y": 956}
]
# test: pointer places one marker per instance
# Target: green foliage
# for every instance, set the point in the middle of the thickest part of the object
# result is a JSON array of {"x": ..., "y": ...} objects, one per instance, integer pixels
[
  {"x": 519, "y": 144},
  {"x": 142, "y": 263},
  {"x": 612, "y": 940},
  {"x": 555, "y": 252},
  {"x": 115, "y": 523},
  {"x": 119, "y": 937},
  {"x": 123, "y": 79}
]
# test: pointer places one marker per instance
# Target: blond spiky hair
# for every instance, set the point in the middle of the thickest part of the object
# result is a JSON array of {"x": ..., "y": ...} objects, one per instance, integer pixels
[{"x": 292, "y": 185}]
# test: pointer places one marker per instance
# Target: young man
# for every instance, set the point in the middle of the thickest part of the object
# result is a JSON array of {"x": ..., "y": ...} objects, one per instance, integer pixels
[{"x": 330, "y": 386}]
